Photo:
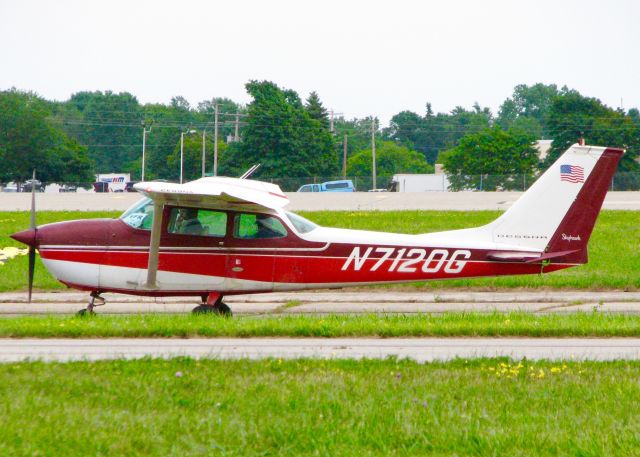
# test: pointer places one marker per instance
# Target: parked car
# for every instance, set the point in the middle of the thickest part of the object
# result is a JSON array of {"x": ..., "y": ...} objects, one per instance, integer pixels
[
  {"x": 344, "y": 185},
  {"x": 10, "y": 187},
  {"x": 32, "y": 183},
  {"x": 68, "y": 188}
]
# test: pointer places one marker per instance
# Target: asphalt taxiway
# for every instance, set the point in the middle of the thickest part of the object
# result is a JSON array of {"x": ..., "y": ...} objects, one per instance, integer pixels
[
  {"x": 418, "y": 349},
  {"x": 330, "y": 302}
]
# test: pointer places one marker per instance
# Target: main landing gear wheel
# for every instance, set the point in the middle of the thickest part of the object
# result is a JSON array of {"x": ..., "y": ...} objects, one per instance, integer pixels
[
  {"x": 221, "y": 309},
  {"x": 88, "y": 311},
  {"x": 213, "y": 304}
]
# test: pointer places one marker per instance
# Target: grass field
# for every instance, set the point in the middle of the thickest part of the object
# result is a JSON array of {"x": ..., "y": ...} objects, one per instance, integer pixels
[
  {"x": 298, "y": 408},
  {"x": 614, "y": 261},
  {"x": 592, "y": 324}
]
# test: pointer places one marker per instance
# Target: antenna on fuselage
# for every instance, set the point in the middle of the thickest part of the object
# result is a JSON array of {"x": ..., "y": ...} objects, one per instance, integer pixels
[{"x": 250, "y": 171}]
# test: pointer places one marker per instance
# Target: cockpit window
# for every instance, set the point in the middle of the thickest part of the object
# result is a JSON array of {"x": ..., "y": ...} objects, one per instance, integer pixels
[
  {"x": 195, "y": 221},
  {"x": 300, "y": 223},
  {"x": 140, "y": 215}
]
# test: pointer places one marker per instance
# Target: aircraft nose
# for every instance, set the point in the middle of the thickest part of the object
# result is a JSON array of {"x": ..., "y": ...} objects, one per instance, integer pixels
[{"x": 27, "y": 237}]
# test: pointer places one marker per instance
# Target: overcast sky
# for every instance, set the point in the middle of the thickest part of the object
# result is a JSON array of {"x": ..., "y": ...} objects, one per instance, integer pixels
[{"x": 362, "y": 57}]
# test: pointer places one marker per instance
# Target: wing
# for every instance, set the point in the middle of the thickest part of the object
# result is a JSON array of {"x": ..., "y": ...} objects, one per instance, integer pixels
[{"x": 219, "y": 193}]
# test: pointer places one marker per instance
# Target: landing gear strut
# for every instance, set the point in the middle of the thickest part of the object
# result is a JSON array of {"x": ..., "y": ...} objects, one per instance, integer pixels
[
  {"x": 212, "y": 303},
  {"x": 95, "y": 297}
]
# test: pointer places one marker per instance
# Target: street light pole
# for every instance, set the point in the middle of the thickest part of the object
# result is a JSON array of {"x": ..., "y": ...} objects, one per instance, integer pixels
[
  {"x": 182, "y": 151},
  {"x": 204, "y": 149},
  {"x": 215, "y": 142},
  {"x": 373, "y": 152}
]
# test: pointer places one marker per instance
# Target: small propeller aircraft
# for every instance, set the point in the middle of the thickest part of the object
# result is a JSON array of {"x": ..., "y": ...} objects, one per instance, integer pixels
[{"x": 223, "y": 236}]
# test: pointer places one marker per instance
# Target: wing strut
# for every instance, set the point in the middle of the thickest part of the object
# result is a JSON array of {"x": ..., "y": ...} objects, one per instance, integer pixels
[{"x": 154, "y": 244}]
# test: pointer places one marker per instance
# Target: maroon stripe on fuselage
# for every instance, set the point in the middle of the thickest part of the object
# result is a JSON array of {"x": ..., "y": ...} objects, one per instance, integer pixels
[{"x": 292, "y": 268}]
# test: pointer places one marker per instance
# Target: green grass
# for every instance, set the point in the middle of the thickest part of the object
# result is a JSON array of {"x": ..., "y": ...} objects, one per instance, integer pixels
[
  {"x": 613, "y": 251},
  {"x": 184, "y": 407},
  {"x": 331, "y": 326}
]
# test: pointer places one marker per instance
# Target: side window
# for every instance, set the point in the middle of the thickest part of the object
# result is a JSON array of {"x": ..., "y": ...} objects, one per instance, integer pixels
[
  {"x": 258, "y": 226},
  {"x": 305, "y": 188},
  {"x": 316, "y": 187},
  {"x": 200, "y": 222}
]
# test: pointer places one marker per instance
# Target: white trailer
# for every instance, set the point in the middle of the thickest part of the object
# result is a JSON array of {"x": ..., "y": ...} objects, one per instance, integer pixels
[
  {"x": 115, "y": 182},
  {"x": 420, "y": 183}
]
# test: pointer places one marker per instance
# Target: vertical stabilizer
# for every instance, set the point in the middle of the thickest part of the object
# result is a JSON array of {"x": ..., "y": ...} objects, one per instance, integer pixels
[{"x": 559, "y": 211}]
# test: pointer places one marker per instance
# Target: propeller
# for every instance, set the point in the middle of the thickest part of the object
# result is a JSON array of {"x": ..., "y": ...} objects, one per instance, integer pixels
[{"x": 32, "y": 226}]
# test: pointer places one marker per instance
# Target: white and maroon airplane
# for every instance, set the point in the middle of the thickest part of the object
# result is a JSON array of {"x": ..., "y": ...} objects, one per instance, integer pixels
[{"x": 222, "y": 236}]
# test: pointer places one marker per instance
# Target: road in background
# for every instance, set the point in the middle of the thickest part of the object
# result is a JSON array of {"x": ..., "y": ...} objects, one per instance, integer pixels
[
  {"x": 381, "y": 201},
  {"x": 418, "y": 349}
]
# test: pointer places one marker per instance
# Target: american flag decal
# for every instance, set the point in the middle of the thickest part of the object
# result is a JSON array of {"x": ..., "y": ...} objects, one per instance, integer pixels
[{"x": 571, "y": 173}]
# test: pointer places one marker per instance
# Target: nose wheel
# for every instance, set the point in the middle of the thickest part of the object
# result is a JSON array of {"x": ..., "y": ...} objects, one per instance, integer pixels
[
  {"x": 213, "y": 303},
  {"x": 94, "y": 300}
]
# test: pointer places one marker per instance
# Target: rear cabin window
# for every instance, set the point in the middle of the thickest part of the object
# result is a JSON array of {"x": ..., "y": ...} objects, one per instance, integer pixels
[
  {"x": 337, "y": 185},
  {"x": 198, "y": 222},
  {"x": 258, "y": 226}
]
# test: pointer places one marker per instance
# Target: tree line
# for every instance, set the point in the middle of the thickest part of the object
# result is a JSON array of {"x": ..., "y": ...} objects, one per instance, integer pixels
[{"x": 101, "y": 132}]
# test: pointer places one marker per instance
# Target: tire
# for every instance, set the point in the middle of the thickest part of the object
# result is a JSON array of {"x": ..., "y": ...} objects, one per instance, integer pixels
[{"x": 222, "y": 309}]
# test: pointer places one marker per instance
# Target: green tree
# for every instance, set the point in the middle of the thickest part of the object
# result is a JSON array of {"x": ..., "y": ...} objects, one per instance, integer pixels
[
  {"x": 391, "y": 158},
  {"x": 491, "y": 159},
  {"x": 30, "y": 139},
  {"x": 228, "y": 111},
  {"x": 111, "y": 129},
  {"x": 358, "y": 133},
  {"x": 433, "y": 133},
  {"x": 315, "y": 109},
  {"x": 192, "y": 160},
  {"x": 528, "y": 108},
  {"x": 282, "y": 136},
  {"x": 573, "y": 116}
]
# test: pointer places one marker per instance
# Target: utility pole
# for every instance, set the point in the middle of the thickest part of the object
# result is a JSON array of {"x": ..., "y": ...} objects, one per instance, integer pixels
[
  {"x": 204, "y": 149},
  {"x": 144, "y": 143},
  {"x": 344, "y": 157},
  {"x": 215, "y": 142},
  {"x": 181, "y": 155},
  {"x": 236, "y": 133},
  {"x": 373, "y": 151},
  {"x": 331, "y": 121}
]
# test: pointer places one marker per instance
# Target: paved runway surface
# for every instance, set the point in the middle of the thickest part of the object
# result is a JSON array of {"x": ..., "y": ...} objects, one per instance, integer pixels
[
  {"x": 347, "y": 301},
  {"x": 419, "y": 349},
  {"x": 382, "y": 201}
]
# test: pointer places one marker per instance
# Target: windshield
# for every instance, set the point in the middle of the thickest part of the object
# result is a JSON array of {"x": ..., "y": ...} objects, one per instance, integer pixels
[
  {"x": 140, "y": 215},
  {"x": 300, "y": 223}
]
